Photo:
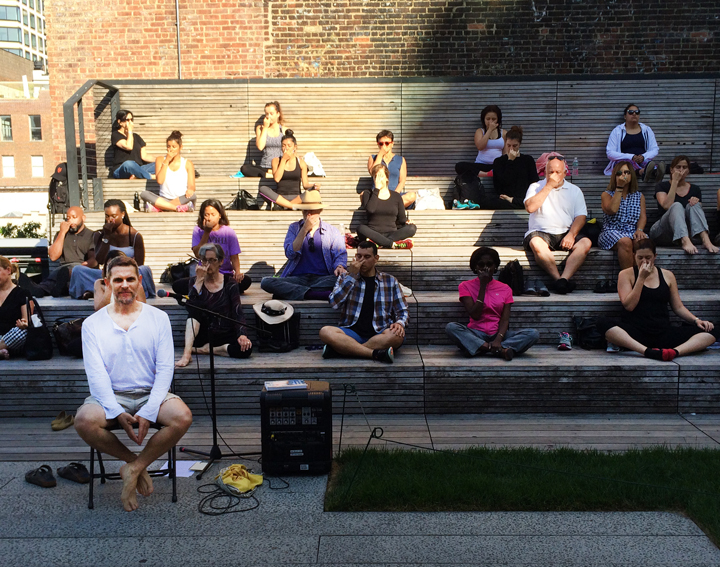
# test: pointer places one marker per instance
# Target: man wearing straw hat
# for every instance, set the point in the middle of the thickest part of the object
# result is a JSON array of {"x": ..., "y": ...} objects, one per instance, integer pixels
[{"x": 316, "y": 255}]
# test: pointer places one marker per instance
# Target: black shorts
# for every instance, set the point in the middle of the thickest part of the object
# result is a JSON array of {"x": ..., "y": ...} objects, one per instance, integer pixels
[
  {"x": 670, "y": 337},
  {"x": 552, "y": 240}
]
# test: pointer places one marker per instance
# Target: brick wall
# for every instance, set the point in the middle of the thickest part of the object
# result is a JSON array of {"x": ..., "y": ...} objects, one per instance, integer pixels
[
  {"x": 135, "y": 39},
  {"x": 22, "y": 148},
  {"x": 13, "y": 67}
]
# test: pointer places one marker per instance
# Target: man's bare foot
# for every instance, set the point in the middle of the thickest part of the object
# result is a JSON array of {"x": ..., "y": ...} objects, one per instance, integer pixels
[
  {"x": 130, "y": 481},
  {"x": 145, "y": 484},
  {"x": 132, "y": 177},
  {"x": 184, "y": 361},
  {"x": 4, "y": 354},
  {"x": 710, "y": 246},
  {"x": 688, "y": 246},
  {"x": 205, "y": 349}
]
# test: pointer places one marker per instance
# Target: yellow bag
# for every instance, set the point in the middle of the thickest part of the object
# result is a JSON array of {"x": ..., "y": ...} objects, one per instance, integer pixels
[{"x": 236, "y": 479}]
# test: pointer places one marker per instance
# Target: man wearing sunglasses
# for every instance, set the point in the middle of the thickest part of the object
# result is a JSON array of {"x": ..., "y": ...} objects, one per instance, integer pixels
[
  {"x": 374, "y": 311},
  {"x": 316, "y": 255},
  {"x": 557, "y": 215}
]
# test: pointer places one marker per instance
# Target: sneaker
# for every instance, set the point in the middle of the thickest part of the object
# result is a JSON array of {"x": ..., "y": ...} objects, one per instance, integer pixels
[
  {"x": 561, "y": 286},
  {"x": 238, "y": 175},
  {"x": 649, "y": 172},
  {"x": 384, "y": 354},
  {"x": 150, "y": 208},
  {"x": 541, "y": 289},
  {"x": 530, "y": 288},
  {"x": 406, "y": 244},
  {"x": 329, "y": 352},
  {"x": 660, "y": 172},
  {"x": 182, "y": 209},
  {"x": 566, "y": 341},
  {"x": 472, "y": 204},
  {"x": 459, "y": 206},
  {"x": 612, "y": 348}
]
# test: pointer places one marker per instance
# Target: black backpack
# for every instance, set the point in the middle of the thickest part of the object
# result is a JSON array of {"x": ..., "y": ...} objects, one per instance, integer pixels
[
  {"x": 243, "y": 201},
  {"x": 512, "y": 275},
  {"x": 282, "y": 337},
  {"x": 59, "y": 197},
  {"x": 588, "y": 336},
  {"x": 468, "y": 187}
]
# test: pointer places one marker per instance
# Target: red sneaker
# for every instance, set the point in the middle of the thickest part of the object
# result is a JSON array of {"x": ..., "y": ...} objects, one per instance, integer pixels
[{"x": 406, "y": 244}]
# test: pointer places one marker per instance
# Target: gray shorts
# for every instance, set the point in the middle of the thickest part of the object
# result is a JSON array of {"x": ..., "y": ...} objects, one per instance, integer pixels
[{"x": 131, "y": 400}]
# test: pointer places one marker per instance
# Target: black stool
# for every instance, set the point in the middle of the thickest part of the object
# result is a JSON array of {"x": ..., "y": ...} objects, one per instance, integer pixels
[{"x": 103, "y": 476}]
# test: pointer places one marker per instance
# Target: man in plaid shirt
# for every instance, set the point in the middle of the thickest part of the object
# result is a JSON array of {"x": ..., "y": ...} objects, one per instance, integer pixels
[{"x": 374, "y": 311}]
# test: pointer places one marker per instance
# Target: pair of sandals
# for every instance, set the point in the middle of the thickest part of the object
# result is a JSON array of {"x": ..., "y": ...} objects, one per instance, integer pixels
[
  {"x": 537, "y": 288},
  {"x": 43, "y": 475},
  {"x": 605, "y": 286},
  {"x": 62, "y": 421}
]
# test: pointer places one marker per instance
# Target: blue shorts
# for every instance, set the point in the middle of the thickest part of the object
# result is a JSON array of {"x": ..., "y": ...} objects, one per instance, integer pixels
[{"x": 359, "y": 338}]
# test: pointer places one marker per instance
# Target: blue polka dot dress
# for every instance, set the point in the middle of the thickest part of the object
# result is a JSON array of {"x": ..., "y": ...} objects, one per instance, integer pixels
[{"x": 622, "y": 224}]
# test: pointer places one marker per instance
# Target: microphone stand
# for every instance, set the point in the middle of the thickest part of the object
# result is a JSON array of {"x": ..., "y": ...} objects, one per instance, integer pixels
[{"x": 215, "y": 453}]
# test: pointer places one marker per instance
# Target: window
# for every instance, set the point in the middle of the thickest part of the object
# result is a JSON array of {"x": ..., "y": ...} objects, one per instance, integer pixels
[
  {"x": 25, "y": 2},
  {"x": 9, "y": 34},
  {"x": 37, "y": 166},
  {"x": 5, "y": 128},
  {"x": 25, "y": 17},
  {"x": 27, "y": 39},
  {"x": 27, "y": 55},
  {"x": 32, "y": 21},
  {"x": 32, "y": 4},
  {"x": 40, "y": 6},
  {"x": 10, "y": 13},
  {"x": 15, "y": 51},
  {"x": 33, "y": 37},
  {"x": 8, "y": 166},
  {"x": 35, "y": 128}
]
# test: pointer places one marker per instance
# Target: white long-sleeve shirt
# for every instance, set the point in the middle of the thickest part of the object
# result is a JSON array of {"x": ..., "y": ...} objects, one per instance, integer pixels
[{"x": 117, "y": 360}]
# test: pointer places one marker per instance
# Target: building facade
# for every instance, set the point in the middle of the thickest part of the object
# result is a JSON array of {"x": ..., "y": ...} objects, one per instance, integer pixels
[{"x": 22, "y": 29}]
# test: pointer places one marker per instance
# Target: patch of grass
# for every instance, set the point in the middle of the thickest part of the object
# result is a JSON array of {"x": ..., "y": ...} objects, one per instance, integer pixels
[{"x": 480, "y": 479}]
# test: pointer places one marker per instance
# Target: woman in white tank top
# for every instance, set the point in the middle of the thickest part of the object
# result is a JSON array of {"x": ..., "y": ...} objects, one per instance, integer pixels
[
  {"x": 489, "y": 141},
  {"x": 176, "y": 177}
]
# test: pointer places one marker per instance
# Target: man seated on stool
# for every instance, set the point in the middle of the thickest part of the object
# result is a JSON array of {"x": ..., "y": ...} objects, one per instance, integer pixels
[
  {"x": 316, "y": 255},
  {"x": 374, "y": 311},
  {"x": 128, "y": 355},
  {"x": 557, "y": 215}
]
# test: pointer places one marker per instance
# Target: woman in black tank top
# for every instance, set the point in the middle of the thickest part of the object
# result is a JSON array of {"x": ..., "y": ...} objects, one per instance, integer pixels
[
  {"x": 290, "y": 173},
  {"x": 646, "y": 292}
]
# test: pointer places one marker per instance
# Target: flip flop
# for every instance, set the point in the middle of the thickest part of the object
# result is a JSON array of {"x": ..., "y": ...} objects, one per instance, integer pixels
[
  {"x": 64, "y": 423},
  {"x": 59, "y": 418},
  {"x": 77, "y": 472},
  {"x": 41, "y": 476}
]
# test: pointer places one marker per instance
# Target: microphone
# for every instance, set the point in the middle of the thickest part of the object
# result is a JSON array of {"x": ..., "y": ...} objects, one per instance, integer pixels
[{"x": 163, "y": 293}]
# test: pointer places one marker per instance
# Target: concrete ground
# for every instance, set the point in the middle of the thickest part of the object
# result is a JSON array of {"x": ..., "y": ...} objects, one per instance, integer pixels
[{"x": 54, "y": 526}]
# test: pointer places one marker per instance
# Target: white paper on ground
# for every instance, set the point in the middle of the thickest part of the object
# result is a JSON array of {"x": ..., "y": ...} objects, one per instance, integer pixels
[{"x": 182, "y": 468}]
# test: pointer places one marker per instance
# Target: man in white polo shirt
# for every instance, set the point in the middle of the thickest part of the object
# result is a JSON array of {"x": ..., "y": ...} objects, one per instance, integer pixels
[
  {"x": 557, "y": 215},
  {"x": 129, "y": 362}
]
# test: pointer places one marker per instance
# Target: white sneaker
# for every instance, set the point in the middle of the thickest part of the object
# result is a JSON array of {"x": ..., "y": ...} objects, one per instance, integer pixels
[{"x": 612, "y": 348}]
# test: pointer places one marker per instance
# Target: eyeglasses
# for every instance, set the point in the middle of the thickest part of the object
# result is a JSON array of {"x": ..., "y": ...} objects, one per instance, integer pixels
[
  {"x": 385, "y": 143},
  {"x": 632, "y": 112},
  {"x": 561, "y": 158},
  {"x": 621, "y": 173},
  {"x": 210, "y": 260},
  {"x": 311, "y": 244}
]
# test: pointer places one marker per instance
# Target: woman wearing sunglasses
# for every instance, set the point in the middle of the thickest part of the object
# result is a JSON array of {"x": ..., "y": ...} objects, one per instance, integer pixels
[
  {"x": 635, "y": 142},
  {"x": 131, "y": 157},
  {"x": 217, "y": 292},
  {"x": 624, "y": 214},
  {"x": 488, "y": 302},
  {"x": 396, "y": 165}
]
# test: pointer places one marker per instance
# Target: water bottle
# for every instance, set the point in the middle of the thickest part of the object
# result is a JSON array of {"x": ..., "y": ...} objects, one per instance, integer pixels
[{"x": 575, "y": 167}]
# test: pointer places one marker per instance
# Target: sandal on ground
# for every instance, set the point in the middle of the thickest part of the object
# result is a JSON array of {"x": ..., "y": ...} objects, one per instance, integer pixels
[
  {"x": 484, "y": 349},
  {"x": 77, "y": 472},
  {"x": 63, "y": 423},
  {"x": 41, "y": 476},
  {"x": 61, "y": 416}
]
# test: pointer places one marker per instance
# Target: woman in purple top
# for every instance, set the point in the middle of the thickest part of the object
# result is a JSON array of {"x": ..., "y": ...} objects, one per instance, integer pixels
[{"x": 213, "y": 226}]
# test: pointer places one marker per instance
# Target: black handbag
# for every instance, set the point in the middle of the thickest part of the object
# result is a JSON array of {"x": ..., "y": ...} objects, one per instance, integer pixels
[
  {"x": 65, "y": 330},
  {"x": 175, "y": 272},
  {"x": 588, "y": 336},
  {"x": 243, "y": 201},
  {"x": 38, "y": 344},
  {"x": 281, "y": 337}
]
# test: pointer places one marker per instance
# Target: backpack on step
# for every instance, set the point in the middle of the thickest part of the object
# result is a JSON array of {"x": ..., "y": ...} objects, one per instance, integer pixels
[{"x": 512, "y": 275}]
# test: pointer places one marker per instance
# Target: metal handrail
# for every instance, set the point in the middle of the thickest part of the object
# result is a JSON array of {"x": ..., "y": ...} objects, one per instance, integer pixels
[{"x": 76, "y": 199}]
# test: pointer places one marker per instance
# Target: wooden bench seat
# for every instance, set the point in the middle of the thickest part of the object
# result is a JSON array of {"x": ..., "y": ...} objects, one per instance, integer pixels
[{"x": 431, "y": 379}]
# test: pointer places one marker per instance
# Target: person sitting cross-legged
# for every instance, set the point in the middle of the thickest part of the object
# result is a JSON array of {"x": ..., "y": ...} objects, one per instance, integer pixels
[
  {"x": 316, "y": 255},
  {"x": 218, "y": 292},
  {"x": 645, "y": 292},
  {"x": 128, "y": 355},
  {"x": 557, "y": 215},
  {"x": 488, "y": 302},
  {"x": 374, "y": 312}
]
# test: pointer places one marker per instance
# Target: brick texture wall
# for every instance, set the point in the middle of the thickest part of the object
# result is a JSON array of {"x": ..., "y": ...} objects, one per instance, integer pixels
[{"x": 135, "y": 39}]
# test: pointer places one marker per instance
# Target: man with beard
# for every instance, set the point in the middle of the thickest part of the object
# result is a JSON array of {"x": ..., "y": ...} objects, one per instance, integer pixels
[
  {"x": 129, "y": 362},
  {"x": 73, "y": 246}
]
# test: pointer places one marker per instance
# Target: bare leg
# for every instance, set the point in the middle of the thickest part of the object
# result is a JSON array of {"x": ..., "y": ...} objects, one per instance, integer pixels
[
  {"x": 192, "y": 327},
  {"x": 707, "y": 243},
  {"x": 176, "y": 419},
  {"x": 624, "y": 249},
  {"x": 386, "y": 339},
  {"x": 576, "y": 258},
  {"x": 697, "y": 342},
  {"x": 620, "y": 337},
  {"x": 544, "y": 257},
  {"x": 347, "y": 346},
  {"x": 409, "y": 199}
]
